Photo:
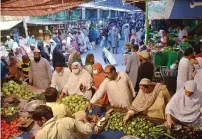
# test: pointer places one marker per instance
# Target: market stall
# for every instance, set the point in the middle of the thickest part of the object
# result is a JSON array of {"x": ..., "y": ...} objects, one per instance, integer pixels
[
  {"x": 173, "y": 19},
  {"x": 20, "y": 99}
]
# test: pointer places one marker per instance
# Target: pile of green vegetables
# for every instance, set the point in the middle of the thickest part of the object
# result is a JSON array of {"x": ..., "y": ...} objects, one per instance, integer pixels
[
  {"x": 74, "y": 102},
  {"x": 9, "y": 110},
  {"x": 21, "y": 91},
  {"x": 168, "y": 49},
  {"x": 138, "y": 127}
]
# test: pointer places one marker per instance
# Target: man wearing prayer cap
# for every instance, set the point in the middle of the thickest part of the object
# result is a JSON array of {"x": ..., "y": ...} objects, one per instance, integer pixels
[
  {"x": 9, "y": 42},
  {"x": 40, "y": 71}
]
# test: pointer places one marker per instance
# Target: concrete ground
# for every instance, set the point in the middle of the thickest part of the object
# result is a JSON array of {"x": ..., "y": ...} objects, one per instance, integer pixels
[{"x": 98, "y": 56}]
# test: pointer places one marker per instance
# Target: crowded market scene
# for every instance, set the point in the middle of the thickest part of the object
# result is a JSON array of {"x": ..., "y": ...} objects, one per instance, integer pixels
[{"x": 101, "y": 69}]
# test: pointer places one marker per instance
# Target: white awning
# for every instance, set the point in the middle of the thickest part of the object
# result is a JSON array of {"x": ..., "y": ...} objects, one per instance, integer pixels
[
  {"x": 93, "y": 6},
  {"x": 6, "y": 25},
  {"x": 39, "y": 22}
]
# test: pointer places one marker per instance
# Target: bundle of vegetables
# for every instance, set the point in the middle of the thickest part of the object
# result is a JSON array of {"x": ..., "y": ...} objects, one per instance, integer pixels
[
  {"x": 187, "y": 133},
  {"x": 75, "y": 103},
  {"x": 20, "y": 91},
  {"x": 137, "y": 127},
  {"x": 115, "y": 122},
  {"x": 40, "y": 96},
  {"x": 9, "y": 130}
]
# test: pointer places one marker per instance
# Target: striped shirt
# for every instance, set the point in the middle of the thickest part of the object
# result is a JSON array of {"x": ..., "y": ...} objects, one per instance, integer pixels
[{"x": 24, "y": 67}]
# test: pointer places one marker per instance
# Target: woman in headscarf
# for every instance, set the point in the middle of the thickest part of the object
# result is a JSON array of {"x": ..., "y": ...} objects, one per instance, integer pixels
[
  {"x": 58, "y": 56},
  {"x": 18, "y": 54},
  {"x": 40, "y": 46},
  {"x": 151, "y": 100},
  {"x": 13, "y": 72},
  {"x": 89, "y": 63},
  {"x": 185, "y": 106},
  {"x": 74, "y": 43},
  {"x": 79, "y": 82},
  {"x": 198, "y": 72},
  {"x": 98, "y": 78},
  {"x": 74, "y": 56}
]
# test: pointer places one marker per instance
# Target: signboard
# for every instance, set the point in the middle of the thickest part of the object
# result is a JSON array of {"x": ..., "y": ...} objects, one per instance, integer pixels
[
  {"x": 76, "y": 14},
  {"x": 91, "y": 14},
  {"x": 62, "y": 15},
  {"x": 175, "y": 9}
]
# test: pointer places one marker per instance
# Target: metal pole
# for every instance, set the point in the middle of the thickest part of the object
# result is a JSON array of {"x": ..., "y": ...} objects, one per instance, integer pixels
[
  {"x": 146, "y": 22},
  {"x": 26, "y": 29}
]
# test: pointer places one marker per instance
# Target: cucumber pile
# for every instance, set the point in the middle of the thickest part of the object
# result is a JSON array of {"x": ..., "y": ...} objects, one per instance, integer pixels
[{"x": 137, "y": 127}]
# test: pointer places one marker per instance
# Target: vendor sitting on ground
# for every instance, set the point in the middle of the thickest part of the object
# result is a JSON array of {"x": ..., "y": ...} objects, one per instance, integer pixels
[
  {"x": 151, "y": 100},
  {"x": 59, "y": 110},
  {"x": 185, "y": 106},
  {"x": 79, "y": 82},
  {"x": 59, "y": 128}
]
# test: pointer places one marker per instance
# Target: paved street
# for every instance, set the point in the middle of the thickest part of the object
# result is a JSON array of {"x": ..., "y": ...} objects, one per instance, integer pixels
[{"x": 98, "y": 57}]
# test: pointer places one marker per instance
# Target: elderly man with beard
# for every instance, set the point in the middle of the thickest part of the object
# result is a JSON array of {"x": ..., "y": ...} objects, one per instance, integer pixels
[
  {"x": 40, "y": 71},
  {"x": 60, "y": 76}
]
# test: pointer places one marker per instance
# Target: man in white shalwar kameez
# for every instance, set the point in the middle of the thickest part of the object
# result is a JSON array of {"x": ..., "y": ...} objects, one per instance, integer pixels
[
  {"x": 52, "y": 45},
  {"x": 9, "y": 42},
  {"x": 79, "y": 82},
  {"x": 198, "y": 76},
  {"x": 185, "y": 68},
  {"x": 133, "y": 64},
  {"x": 127, "y": 34},
  {"x": 60, "y": 77},
  {"x": 119, "y": 88},
  {"x": 53, "y": 127},
  {"x": 40, "y": 73}
]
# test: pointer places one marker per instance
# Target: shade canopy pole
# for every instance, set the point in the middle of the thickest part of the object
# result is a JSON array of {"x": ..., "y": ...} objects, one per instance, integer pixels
[{"x": 146, "y": 23}]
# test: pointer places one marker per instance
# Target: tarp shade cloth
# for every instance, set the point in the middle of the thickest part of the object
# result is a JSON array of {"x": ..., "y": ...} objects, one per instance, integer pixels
[
  {"x": 6, "y": 25},
  {"x": 36, "y": 7}
]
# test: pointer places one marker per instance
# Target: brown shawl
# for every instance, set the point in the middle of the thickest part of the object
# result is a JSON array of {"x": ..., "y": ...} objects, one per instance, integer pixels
[{"x": 143, "y": 100}]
